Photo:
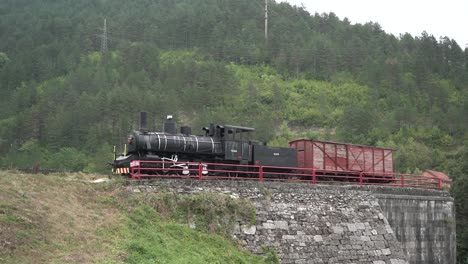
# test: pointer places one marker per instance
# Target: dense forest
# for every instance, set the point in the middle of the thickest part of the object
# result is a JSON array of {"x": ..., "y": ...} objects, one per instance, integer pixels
[{"x": 69, "y": 92}]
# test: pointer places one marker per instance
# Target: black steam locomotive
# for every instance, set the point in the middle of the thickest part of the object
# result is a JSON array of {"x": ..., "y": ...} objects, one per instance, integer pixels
[{"x": 220, "y": 144}]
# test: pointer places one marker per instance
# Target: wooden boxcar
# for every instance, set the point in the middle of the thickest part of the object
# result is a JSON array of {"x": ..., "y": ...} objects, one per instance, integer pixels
[{"x": 332, "y": 156}]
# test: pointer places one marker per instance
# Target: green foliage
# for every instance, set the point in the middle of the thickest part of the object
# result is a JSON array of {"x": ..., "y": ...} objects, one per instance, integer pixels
[
  {"x": 67, "y": 158},
  {"x": 316, "y": 74},
  {"x": 98, "y": 160},
  {"x": 154, "y": 241},
  {"x": 29, "y": 154},
  {"x": 271, "y": 256},
  {"x": 459, "y": 173},
  {"x": 4, "y": 60},
  {"x": 206, "y": 212}
]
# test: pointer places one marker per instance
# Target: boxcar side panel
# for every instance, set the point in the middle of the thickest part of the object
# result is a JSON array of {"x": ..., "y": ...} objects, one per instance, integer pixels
[
  {"x": 388, "y": 160},
  {"x": 308, "y": 154},
  {"x": 378, "y": 160},
  {"x": 341, "y": 158},
  {"x": 329, "y": 156},
  {"x": 318, "y": 155},
  {"x": 355, "y": 158},
  {"x": 323, "y": 155},
  {"x": 368, "y": 159}
]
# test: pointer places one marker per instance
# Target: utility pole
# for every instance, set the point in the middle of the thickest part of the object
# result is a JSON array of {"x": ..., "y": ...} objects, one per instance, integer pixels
[
  {"x": 266, "y": 21},
  {"x": 104, "y": 37}
]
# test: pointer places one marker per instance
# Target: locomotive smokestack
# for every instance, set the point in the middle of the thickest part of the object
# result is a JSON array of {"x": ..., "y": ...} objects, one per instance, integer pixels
[{"x": 143, "y": 121}]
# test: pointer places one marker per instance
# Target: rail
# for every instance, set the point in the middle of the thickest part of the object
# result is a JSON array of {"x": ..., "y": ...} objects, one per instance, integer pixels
[{"x": 205, "y": 171}]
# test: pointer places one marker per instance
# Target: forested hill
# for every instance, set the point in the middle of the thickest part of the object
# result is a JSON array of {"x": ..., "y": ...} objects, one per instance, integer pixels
[
  {"x": 66, "y": 98},
  {"x": 64, "y": 102}
]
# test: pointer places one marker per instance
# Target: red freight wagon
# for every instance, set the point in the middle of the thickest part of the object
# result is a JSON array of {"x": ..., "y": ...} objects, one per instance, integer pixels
[{"x": 323, "y": 155}]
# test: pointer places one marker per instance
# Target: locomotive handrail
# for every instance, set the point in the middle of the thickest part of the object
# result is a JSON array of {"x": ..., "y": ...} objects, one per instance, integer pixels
[{"x": 204, "y": 171}]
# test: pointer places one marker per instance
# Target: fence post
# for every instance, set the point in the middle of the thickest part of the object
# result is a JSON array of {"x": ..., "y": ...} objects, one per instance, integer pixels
[
  {"x": 132, "y": 173},
  {"x": 139, "y": 172},
  {"x": 439, "y": 185},
  {"x": 200, "y": 171},
  {"x": 260, "y": 173},
  {"x": 314, "y": 177},
  {"x": 361, "y": 176},
  {"x": 402, "y": 180}
]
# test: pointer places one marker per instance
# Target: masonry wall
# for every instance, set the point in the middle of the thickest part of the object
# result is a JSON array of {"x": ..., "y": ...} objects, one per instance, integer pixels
[
  {"x": 425, "y": 226},
  {"x": 336, "y": 224}
]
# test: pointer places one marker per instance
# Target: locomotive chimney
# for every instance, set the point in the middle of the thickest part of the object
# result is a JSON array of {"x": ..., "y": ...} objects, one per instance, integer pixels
[
  {"x": 170, "y": 126},
  {"x": 143, "y": 122},
  {"x": 212, "y": 130}
]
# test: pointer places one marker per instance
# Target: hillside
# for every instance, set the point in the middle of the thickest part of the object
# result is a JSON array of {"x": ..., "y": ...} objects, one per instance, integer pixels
[
  {"x": 66, "y": 99},
  {"x": 67, "y": 219},
  {"x": 69, "y": 92}
]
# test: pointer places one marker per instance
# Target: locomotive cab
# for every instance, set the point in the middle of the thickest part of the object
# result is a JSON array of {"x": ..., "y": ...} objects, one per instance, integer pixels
[{"x": 237, "y": 143}]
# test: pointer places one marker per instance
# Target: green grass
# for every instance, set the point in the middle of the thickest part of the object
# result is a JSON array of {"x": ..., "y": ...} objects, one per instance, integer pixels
[
  {"x": 64, "y": 218},
  {"x": 154, "y": 241},
  {"x": 208, "y": 212}
]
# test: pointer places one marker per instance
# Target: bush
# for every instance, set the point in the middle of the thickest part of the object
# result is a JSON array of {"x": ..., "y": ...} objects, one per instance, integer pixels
[{"x": 67, "y": 159}]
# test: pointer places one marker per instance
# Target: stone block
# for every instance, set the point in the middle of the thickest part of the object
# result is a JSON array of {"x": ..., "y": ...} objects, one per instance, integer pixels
[
  {"x": 281, "y": 225},
  {"x": 356, "y": 246},
  {"x": 336, "y": 236},
  {"x": 370, "y": 244},
  {"x": 236, "y": 228},
  {"x": 248, "y": 230},
  {"x": 379, "y": 244},
  {"x": 268, "y": 225},
  {"x": 360, "y": 226},
  {"x": 365, "y": 238},
  {"x": 337, "y": 229},
  {"x": 318, "y": 238},
  {"x": 398, "y": 261},
  {"x": 386, "y": 251},
  {"x": 351, "y": 227}
]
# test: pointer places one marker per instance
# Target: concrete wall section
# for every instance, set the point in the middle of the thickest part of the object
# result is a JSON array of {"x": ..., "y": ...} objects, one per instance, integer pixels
[{"x": 425, "y": 225}]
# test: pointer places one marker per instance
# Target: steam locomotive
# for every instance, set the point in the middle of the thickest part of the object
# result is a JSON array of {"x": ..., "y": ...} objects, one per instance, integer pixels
[
  {"x": 220, "y": 144},
  {"x": 225, "y": 149}
]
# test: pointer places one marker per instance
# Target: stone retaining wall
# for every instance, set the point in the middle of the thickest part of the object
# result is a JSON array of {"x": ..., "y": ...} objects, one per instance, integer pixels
[{"x": 317, "y": 224}]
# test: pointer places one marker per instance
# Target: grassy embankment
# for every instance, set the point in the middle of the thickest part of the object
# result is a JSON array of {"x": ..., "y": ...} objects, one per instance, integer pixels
[{"x": 68, "y": 219}]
